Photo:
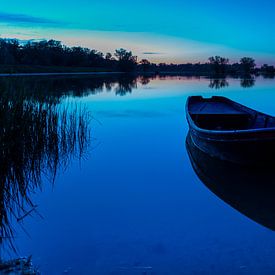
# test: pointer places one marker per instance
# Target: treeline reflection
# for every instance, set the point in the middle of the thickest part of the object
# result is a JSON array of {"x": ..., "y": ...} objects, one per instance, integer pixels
[
  {"x": 38, "y": 138},
  {"x": 220, "y": 83},
  {"x": 54, "y": 89}
]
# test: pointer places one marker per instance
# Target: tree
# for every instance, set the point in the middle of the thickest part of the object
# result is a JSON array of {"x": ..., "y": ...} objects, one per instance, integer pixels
[
  {"x": 145, "y": 65},
  {"x": 247, "y": 64},
  {"x": 9, "y": 51},
  {"x": 268, "y": 70},
  {"x": 218, "y": 64},
  {"x": 108, "y": 56},
  {"x": 126, "y": 61}
]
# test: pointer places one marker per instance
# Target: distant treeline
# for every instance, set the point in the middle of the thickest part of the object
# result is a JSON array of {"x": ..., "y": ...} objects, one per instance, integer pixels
[
  {"x": 52, "y": 53},
  {"x": 216, "y": 66}
]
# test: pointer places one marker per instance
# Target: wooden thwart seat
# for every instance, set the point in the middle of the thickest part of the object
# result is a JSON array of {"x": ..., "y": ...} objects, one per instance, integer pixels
[{"x": 219, "y": 116}]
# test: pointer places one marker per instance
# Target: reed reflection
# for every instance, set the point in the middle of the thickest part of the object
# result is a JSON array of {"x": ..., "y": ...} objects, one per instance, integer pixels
[
  {"x": 249, "y": 190},
  {"x": 37, "y": 139}
]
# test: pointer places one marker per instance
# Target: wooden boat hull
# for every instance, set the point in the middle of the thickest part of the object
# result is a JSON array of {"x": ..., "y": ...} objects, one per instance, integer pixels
[
  {"x": 238, "y": 150},
  {"x": 250, "y": 146}
]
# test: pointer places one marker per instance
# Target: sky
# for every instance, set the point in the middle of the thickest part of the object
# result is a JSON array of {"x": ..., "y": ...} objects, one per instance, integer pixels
[{"x": 177, "y": 31}]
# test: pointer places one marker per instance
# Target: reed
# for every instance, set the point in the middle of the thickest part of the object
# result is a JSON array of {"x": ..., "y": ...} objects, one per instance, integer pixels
[{"x": 36, "y": 141}]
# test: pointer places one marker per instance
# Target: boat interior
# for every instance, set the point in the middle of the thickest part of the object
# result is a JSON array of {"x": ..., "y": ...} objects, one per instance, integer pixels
[{"x": 218, "y": 113}]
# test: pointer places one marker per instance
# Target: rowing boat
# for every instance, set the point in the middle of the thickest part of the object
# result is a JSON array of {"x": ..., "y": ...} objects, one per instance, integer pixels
[{"x": 230, "y": 131}]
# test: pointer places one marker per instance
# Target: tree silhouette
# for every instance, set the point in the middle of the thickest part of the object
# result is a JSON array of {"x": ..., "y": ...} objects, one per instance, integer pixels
[
  {"x": 247, "y": 64},
  {"x": 126, "y": 61},
  {"x": 218, "y": 64},
  {"x": 108, "y": 56},
  {"x": 145, "y": 65},
  {"x": 268, "y": 71},
  {"x": 38, "y": 55}
]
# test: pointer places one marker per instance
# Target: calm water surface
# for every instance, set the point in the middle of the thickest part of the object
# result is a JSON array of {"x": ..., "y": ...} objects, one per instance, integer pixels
[{"x": 133, "y": 204}]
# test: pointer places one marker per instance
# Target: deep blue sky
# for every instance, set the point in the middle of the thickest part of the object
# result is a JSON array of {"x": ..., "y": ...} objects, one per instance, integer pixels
[{"x": 174, "y": 30}]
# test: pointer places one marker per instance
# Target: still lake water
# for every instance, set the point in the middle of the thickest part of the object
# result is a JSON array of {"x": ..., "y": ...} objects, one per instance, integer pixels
[{"x": 133, "y": 204}]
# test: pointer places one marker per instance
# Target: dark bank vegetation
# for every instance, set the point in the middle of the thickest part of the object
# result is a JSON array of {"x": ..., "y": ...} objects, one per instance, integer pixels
[
  {"x": 18, "y": 266},
  {"x": 53, "y": 56}
]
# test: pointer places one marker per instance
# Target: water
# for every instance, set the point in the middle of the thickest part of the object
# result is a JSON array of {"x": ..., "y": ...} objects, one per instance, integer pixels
[{"x": 133, "y": 203}]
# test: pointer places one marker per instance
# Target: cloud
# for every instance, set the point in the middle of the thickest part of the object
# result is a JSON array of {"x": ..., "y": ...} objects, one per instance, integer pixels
[
  {"x": 25, "y": 41},
  {"x": 12, "y": 18},
  {"x": 151, "y": 53}
]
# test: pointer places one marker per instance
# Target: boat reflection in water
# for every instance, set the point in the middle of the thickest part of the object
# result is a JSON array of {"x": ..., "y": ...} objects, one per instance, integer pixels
[
  {"x": 37, "y": 139},
  {"x": 248, "y": 189}
]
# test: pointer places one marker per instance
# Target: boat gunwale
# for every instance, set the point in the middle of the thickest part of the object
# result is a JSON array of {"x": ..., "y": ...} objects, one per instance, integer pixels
[{"x": 225, "y": 132}]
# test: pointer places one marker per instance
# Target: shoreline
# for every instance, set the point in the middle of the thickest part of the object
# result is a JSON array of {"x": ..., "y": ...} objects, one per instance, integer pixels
[
  {"x": 58, "y": 73},
  {"x": 137, "y": 73}
]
